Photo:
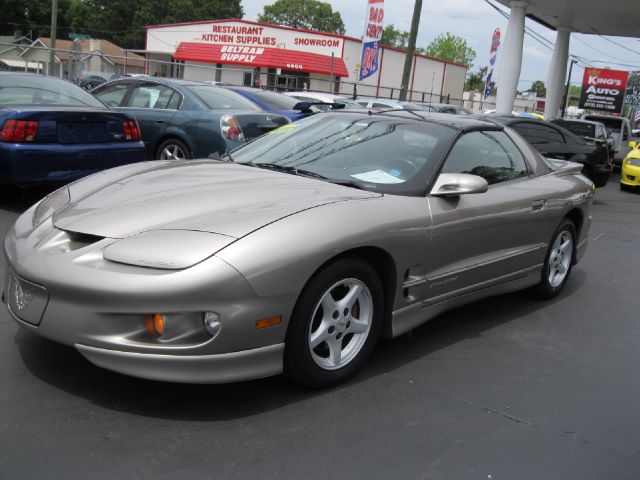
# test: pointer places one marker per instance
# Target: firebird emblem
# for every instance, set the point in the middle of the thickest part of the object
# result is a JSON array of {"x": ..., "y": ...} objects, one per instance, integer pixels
[{"x": 22, "y": 295}]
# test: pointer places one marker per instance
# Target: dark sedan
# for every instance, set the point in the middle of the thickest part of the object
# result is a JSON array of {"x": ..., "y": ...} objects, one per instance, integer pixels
[
  {"x": 276, "y": 102},
  {"x": 553, "y": 141},
  {"x": 51, "y": 130},
  {"x": 182, "y": 119}
]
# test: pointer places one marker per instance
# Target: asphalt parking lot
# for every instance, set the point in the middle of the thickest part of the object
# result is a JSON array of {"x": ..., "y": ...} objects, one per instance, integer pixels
[{"x": 506, "y": 388}]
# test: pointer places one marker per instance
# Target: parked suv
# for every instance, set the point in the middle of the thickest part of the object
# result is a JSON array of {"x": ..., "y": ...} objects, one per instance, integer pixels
[{"x": 620, "y": 129}]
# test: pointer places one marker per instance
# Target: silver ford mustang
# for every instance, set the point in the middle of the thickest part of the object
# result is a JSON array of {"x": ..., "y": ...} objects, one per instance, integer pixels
[{"x": 295, "y": 252}]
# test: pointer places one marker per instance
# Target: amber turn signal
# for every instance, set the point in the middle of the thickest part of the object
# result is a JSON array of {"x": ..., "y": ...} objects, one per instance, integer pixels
[
  {"x": 155, "y": 323},
  {"x": 268, "y": 322}
]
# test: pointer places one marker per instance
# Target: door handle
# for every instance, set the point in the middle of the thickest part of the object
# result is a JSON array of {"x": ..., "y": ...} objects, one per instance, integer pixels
[
  {"x": 537, "y": 205},
  {"x": 159, "y": 121}
]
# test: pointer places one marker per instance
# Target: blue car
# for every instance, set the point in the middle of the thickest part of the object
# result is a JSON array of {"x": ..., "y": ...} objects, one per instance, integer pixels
[
  {"x": 183, "y": 119},
  {"x": 52, "y": 130},
  {"x": 275, "y": 102}
]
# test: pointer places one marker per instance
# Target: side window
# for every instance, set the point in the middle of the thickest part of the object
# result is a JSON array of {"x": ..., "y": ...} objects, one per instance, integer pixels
[
  {"x": 537, "y": 134},
  {"x": 490, "y": 155},
  {"x": 449, "y": 110},
  {"x": 112, "y": 95},
  {"x": 149, "y": 95},
  {"x": 600, "y": 132},
  {"x": 380, "y": 105}
]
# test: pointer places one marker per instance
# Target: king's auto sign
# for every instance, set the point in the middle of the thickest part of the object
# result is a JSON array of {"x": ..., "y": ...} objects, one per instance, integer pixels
[{"x": 603, "y": 89}]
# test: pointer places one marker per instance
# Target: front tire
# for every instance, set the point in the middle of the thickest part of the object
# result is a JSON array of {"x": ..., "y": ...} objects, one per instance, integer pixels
[
  {"x": 335, "y": 324},
  {"x": 558, "y": 262}
]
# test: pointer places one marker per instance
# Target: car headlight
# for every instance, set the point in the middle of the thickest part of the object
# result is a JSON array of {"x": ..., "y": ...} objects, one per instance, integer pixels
[
  {"x": 166, "y": 249},
  {"x": 635, "y": 162},
  {"x": 51, "y": 204}
]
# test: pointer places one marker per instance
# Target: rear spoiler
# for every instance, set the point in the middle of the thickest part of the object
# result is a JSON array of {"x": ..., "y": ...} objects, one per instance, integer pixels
[{"x": 563, "y": 167}]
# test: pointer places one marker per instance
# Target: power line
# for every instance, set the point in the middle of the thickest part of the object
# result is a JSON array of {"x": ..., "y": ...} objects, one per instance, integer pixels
[{"x": 620, "y": 45}]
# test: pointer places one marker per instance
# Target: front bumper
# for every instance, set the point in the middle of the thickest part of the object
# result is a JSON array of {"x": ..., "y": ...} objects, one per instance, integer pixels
[
  {"x": 630, "y": 175},
  {"x": 221, "y": 368},
  {"x": 99, "y": 307}
]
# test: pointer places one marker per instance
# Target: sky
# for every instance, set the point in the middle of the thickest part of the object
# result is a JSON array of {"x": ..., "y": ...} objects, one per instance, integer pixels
[{"x": 475, "y": 20}]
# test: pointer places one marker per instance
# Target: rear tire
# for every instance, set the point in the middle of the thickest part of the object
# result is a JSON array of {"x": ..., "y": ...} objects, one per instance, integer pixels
[
  {"x": 558, "y": 262},
  {"x": 173, "y": 149},
  {"x": 335, "y": 324}
]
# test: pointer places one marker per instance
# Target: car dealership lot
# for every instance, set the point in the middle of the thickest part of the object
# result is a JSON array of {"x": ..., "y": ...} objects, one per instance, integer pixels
[{"x": 509, "y": 387}]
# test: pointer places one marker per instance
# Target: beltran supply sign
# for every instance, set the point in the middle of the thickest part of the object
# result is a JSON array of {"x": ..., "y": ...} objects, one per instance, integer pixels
[
  {"x": 603, "y": 89},
  {"x": 371, "y": 39}
]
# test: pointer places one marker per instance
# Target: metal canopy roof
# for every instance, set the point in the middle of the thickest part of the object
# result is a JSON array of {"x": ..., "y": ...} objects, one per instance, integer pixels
[{"x": 613, "y": 17}]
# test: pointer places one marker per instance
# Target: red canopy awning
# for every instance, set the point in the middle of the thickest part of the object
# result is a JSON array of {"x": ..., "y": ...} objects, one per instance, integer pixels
[{"x": 260, "y": 57}]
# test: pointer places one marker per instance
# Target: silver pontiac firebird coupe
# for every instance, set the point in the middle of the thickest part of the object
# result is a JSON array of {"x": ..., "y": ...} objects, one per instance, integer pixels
[{"x": 295, "y": 252}]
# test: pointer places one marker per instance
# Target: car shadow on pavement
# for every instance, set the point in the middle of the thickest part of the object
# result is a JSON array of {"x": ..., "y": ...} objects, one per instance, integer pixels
[
  {"x": 18, "y": 199},
  {"x": 64, "y": 368}
]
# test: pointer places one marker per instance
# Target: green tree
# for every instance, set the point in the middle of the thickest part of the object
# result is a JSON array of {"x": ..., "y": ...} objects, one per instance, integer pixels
[
  {"x": 475, "y": 80},
  {"x": 574, "y": 95},
  {"x": 539, "y": 88},
  {"x": 123, "y": 21},
  {"x": 453, "y": 48},
  {"x": 32, "y": 17},
  {"x": 308, "y": 14},
  {"x": 393, "y": 37}
]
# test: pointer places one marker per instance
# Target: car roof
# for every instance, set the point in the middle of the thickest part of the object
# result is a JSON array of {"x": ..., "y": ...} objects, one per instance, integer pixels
[
  {"x": 574, "y": 120},
  {"x": 457, "y": 122},
  {"x": 507, "y": 119}
]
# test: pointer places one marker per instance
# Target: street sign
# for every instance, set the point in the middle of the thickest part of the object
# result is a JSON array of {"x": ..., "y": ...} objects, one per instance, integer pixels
[{"x": 79, "y": 36}]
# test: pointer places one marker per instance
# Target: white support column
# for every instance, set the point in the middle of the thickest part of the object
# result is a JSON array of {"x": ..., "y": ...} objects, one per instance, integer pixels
[
  {"x": 511, "y": 58},
  {"x": 557, "y": 74}
]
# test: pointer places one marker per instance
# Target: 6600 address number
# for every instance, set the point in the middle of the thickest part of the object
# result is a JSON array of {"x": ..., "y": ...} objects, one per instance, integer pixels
[{"x": 297, "y": 66}]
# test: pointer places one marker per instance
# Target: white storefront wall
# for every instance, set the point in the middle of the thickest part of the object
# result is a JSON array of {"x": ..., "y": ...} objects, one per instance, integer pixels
[{"x": 428, "y": 74}]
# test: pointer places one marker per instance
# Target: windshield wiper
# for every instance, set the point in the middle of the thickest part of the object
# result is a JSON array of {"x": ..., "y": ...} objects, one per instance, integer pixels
[
  {"x": 308, "y": 173},
  {"x": 348, "y": 183}
]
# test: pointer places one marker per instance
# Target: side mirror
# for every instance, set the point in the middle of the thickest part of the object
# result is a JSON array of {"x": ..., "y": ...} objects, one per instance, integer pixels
[
  {"x": 302, "y": 107},
  {"x": 455, "y": 184},
  {"x": 633, "y": 144}
]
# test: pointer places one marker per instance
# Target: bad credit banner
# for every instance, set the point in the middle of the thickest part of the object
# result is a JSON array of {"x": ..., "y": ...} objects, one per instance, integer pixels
[
  {"x": 603, "y": 89},
  {"x": 371, "y": 38}
]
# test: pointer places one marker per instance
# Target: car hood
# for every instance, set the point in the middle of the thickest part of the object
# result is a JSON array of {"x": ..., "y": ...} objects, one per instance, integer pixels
[{"x": 208, "y": 196}]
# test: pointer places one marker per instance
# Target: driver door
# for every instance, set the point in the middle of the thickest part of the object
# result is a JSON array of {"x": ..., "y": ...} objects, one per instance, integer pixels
[{"x": 479, "y": 240}]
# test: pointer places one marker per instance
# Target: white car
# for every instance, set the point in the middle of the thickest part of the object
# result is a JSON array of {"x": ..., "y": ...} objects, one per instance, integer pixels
[
  {"x": 391, "y": 104},
  {"x": 323, "y": 97}
]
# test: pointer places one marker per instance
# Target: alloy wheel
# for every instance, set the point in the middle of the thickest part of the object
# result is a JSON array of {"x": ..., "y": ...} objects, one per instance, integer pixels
[
  {"x": 341, "y": 322},
  {"x": 560, "y": 258}
]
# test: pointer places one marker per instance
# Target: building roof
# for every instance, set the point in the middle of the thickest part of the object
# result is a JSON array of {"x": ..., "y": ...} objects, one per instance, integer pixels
[{"x": 110, "y": 50}]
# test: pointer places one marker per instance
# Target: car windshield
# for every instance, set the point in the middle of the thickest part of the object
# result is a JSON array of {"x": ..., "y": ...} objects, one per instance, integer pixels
[
  {"x": 217, "y": 98},
  {"x": 274, "y": 100},
  {"x": 40, "y": 90},
  {"x": 614, "y": 125},
  {"x": 347, "y": 103},
  {"x": 418, "y": 106},
  {"x": 376, "y": 152},
  {"x": 580, "y": 129}
]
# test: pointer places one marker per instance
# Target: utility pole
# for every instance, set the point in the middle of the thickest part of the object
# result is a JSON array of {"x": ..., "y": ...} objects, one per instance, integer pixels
[
  {"x": 411, "y": 49},
  {"x": 54, "y": 25},
  {"x": 567, "y": 98}
]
